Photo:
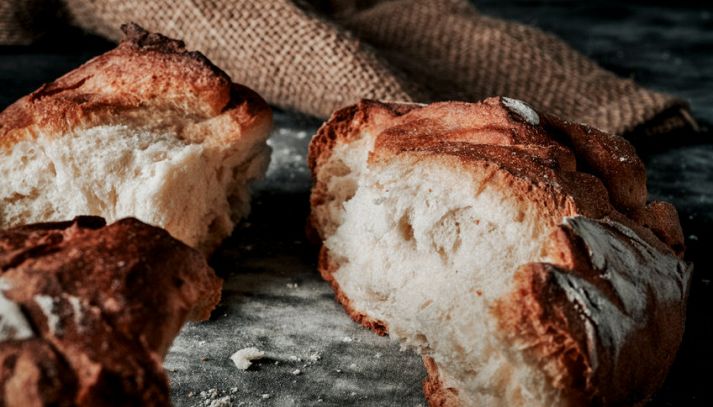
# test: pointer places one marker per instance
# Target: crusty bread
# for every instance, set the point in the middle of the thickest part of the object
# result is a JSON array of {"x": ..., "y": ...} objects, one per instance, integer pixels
[
  {"x": 88, "y": 311},
  {"x": 147, "y": 130},
  {"x": 516, "y": 251}
]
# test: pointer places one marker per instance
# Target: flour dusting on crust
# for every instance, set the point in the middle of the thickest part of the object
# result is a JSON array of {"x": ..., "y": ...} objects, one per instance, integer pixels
[
  {"x": 523, "y": 110},
  {"x": 13, "y": 324}
]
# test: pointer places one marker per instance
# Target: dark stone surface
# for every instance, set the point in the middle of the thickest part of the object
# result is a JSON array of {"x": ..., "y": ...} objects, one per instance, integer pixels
[{"x": 274, "y": 298}]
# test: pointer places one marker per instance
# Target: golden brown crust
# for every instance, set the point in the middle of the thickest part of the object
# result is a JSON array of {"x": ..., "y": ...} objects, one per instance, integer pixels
[
  {"x": 326, "y": 267},
  {"x": 612, "y": 159},
  {"x": 346, "y": 123},
  {"x": 661, "y": 218},
  {"x": 104, "y": 304},
  {"x": 582, "y": 170},
  {"x": 538, "y": 312},
  {"x": 148, "y": 80},
  {"x": 561, "y": 168},
  {"x": 437, "y": 394}
]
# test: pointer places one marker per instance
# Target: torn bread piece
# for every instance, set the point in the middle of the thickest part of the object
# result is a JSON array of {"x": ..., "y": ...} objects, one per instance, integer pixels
[
  {"x": 147, "y": 130},
  {"x": 88, "y": 311},
  {"x": 517, "y": 252}
]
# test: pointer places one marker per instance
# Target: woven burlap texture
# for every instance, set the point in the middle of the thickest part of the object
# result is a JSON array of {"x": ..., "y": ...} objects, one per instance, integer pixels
[{"x": 318, "y": 56}]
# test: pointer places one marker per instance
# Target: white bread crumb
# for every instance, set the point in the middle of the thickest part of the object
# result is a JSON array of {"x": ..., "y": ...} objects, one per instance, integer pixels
[
  {"x": 244, "y": 357},
  {"x": 195, "y": 191}
]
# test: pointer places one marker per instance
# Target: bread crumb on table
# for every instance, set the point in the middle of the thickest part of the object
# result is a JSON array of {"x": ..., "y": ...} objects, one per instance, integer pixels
[{"x": 244, "y": 357}]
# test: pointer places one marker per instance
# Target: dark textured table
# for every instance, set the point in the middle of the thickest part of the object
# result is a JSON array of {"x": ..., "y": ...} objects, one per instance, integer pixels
[{"x": 274, "y": 299}]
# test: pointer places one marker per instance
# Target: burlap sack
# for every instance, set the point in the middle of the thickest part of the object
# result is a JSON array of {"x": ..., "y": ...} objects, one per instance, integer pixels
[
  {"x": 22, "y": 21},
  {"x": 320, "y": 55}
]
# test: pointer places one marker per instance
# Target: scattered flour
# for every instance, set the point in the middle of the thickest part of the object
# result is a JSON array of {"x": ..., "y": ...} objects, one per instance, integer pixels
[{"x": 212, "y": 398}]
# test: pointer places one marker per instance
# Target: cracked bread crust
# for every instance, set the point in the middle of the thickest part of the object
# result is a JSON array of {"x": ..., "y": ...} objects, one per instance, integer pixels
[
  {"x": 147, "y": 78},
  {"x": 565, "y": 170},
  {"x": 326, "y": 268},
  {"x": 103, "y": 304}
]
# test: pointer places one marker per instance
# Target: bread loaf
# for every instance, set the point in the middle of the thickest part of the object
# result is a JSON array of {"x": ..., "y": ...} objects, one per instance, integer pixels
[
  {"x": 517, "y": 252},
  {"x": 147, "y": 130},
  {"x": 88, "y": 311}
]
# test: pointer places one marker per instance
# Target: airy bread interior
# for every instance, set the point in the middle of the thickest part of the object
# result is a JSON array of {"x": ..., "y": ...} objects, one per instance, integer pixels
[
  {"x": 194, "y": 189},
  {"x": 412, "y": 244},
  {"x": 147, "y": 130}
]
